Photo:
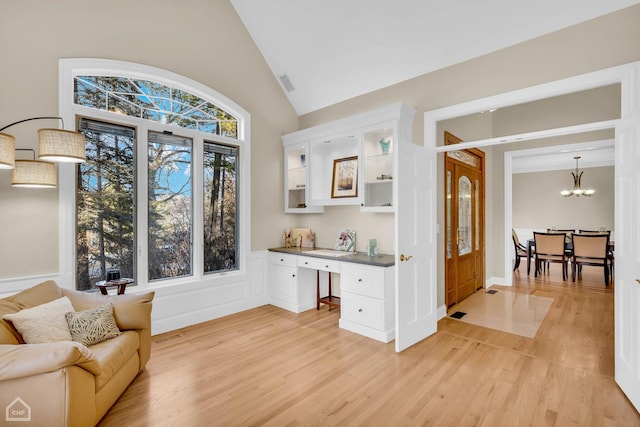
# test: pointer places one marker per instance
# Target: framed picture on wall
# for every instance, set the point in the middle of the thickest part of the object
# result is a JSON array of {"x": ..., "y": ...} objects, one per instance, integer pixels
[{"x": 345, "y": 177}]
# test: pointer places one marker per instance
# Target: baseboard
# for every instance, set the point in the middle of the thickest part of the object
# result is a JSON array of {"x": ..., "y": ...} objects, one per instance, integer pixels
[
  {"x": 442, "y": 312},
  {"x": 496, "y": 281}
]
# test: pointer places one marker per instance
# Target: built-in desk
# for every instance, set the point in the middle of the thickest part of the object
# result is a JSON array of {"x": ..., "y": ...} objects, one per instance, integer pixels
[
  {"x": 356, "y": 257},
  {"x": 367, "y": 287}
]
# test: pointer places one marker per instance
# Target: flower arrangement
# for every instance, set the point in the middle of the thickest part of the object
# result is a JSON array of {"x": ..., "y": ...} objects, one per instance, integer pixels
[{"x": 346, "y": 240}]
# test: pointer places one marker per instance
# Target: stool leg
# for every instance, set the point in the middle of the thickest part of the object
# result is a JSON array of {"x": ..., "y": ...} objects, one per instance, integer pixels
[{"x": 317, "y": 289}]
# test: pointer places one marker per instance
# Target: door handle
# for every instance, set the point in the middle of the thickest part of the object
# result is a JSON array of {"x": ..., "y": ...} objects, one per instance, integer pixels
[{"x": 405, "y": 258}]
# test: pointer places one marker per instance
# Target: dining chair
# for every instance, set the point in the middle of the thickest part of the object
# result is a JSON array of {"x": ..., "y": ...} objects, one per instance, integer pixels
[
  {"x": 567, "y": 237},
  {"x": 520, "y": 249},
  {"x": 610, "y": 253},
  {"x": 550, "y": 247},
  {"x": 591, "y": 249}
]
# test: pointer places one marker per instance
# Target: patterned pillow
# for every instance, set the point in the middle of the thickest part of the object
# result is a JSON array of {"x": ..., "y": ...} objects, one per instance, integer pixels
[
  {"x": 43, "y": 323},
  {"x": 93, "y": 325}
]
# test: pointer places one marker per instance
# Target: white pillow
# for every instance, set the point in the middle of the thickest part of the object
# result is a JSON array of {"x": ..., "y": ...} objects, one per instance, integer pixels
[{"x": 43, "y": 323}]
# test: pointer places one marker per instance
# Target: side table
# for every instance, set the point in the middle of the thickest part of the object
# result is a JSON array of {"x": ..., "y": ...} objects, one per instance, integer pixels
[{"x": 121, "y": 284}]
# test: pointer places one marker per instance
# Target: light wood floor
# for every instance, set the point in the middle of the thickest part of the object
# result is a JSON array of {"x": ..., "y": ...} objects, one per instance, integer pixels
[{"x": 271, "y": 367}]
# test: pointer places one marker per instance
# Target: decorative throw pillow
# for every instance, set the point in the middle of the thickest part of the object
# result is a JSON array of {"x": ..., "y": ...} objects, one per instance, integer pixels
[
  {"x": 94, "y": 325},
  {"x": 43, "y": 323}
]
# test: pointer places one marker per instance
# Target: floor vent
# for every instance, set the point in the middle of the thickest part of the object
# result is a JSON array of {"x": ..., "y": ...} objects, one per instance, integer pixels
[
  {"x": 492, "y": 291},
  {"x": 458, "y": 315}
]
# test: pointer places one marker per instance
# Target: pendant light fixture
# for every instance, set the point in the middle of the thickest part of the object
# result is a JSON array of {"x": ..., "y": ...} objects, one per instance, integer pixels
[
  {"x": 34, "y": 174},
  {"x": 577, "y": 189},
  {"x": 7, "y": 151}
]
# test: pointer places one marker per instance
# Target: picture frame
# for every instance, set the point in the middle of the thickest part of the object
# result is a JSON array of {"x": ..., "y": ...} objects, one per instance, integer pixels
[{"x": 344, "y": 182}]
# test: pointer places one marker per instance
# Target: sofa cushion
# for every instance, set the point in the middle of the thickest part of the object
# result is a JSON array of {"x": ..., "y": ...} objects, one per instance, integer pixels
[
  {"x": 43, "y": 323},
  {"x": 111, "y": 355},
  {"x": 37, "y": 295},
  {"x": 93, "y": 326}
]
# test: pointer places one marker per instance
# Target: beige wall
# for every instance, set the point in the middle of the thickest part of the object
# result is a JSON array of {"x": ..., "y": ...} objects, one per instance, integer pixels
[
  {"x": 601, "y": 43},
  {"x": 201, "y": 39},
  {"x": 537, "y": 202}
]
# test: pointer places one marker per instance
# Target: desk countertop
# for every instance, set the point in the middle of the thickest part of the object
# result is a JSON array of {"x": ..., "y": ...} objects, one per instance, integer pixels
[{"x": 357, "y": 257}]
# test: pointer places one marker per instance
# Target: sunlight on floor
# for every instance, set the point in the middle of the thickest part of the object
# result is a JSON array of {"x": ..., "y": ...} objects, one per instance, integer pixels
[{"x": 516, "y": 313}]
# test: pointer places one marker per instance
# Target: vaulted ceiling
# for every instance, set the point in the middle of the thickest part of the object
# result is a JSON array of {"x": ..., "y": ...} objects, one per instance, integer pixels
[{"x": 332, "y": 50}]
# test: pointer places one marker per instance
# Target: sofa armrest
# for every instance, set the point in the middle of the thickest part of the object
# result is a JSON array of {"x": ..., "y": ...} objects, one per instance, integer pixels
[
  {"x": 23, "y": 360},
  {"x": 131, "y": 311}
]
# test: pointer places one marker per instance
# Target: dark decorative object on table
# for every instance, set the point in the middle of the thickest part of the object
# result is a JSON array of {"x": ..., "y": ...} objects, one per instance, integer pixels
[{"x": 113, "y": 274}]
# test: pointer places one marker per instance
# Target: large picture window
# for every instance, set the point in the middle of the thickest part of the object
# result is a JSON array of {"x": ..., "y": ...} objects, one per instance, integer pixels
[
  {"x": 220, "y": 207},
  {"x": 170, "y": 212},
  {"x": 160, "y": 195},
  {"x": 105, "y": 203}
]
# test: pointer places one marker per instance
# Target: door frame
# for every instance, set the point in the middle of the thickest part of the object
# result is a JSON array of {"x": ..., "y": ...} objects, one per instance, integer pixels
[{"x": 627, "y": 130}]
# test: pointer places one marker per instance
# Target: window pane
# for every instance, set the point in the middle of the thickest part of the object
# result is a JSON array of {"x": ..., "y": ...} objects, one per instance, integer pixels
[
  {"x": 105, "y": 203},
  {"x": 464, "y": 216},
  {"x": 220, "y": 207},
  {"x": 153, "y": 101},
  {"x": 170, "y": 206}
]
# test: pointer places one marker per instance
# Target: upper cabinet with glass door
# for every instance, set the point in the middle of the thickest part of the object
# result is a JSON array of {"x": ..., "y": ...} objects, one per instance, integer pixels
[
  {"x": 378, "y": 171},
  {"x": 296, "y": 180},
  {"x": 379, "y": 164},
  {"x": 349, "y": 161}
]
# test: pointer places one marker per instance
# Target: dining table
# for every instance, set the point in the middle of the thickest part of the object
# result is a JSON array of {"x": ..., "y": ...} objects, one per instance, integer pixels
[{"x": 568, "y": 245}]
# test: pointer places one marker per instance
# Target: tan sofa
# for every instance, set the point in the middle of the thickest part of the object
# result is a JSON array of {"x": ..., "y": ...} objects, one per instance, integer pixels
[{"x": 65, "y": 383}]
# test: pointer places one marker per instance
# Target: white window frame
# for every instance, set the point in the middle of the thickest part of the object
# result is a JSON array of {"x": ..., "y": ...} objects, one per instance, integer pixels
[{"x": 68, "y": 69}]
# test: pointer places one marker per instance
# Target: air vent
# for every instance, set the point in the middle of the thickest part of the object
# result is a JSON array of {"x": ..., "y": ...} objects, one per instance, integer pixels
[{"x": 286, "y": 83}]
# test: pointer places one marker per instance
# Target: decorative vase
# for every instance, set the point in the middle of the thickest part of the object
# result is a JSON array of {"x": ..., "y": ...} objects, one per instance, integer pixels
[{"x": 384, "y": 145}]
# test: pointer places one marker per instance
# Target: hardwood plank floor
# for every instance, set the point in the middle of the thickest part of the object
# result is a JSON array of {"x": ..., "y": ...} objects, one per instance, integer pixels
[{"x": 270, "y": 367}]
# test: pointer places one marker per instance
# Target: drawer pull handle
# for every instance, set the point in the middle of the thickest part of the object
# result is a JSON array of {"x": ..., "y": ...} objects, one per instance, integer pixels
[
  {"x": 359, "y": 310},
  {"x": 281, "y": 260},
  {"x": 359, "y": 280},
  {"x": 306, "y": 262},
  {"x": 293, "y": 275},
  {"x": 326, "y": 266}
]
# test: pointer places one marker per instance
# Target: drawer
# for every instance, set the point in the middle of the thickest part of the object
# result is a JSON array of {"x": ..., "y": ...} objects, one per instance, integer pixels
[
  {"x": 363, "y": 310},
  {"x": 319, "y": 264},
  {"x": 287, "y": 260},
  {"x": 362, "y": 280}
]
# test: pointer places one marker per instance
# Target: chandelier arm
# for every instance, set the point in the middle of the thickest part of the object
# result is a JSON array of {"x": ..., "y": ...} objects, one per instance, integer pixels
[{"x": 33, "y": 118}]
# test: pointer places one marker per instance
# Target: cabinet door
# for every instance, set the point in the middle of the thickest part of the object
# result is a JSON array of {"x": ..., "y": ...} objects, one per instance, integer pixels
[
  {"x": 296, "y": 180},
  {"x": 377, "y": 168},
  {"x": 283, "y": 286}
]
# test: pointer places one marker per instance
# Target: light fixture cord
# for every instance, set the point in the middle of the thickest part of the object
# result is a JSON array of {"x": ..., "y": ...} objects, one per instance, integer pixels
[{"x": 33, "y": 118}]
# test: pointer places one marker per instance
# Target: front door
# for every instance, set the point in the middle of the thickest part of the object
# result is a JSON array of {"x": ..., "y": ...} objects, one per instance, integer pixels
[{"x": 464, "y": 222}]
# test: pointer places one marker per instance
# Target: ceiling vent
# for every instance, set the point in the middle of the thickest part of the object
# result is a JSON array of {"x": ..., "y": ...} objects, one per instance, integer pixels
[{"x": 286, "y": 83}]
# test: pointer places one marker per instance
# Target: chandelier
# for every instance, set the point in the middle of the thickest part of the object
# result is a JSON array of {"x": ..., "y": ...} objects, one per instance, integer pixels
[{"x": 577, "y": 190}]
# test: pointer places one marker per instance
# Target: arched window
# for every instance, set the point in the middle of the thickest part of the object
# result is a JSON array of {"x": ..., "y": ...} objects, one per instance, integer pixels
[
  {"x": 154, "y": 101},
  {"x": 160, "y": 196}
]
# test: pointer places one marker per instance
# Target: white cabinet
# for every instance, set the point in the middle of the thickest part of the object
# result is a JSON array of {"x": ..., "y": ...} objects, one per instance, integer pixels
[
  {"x": 289, "y": 289},
  {"x": 377, "y": 168},
  {"x": 367, "y": 301},
  {"x": 370, "y": 137},
  {"x": 296, "y": 180}
]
